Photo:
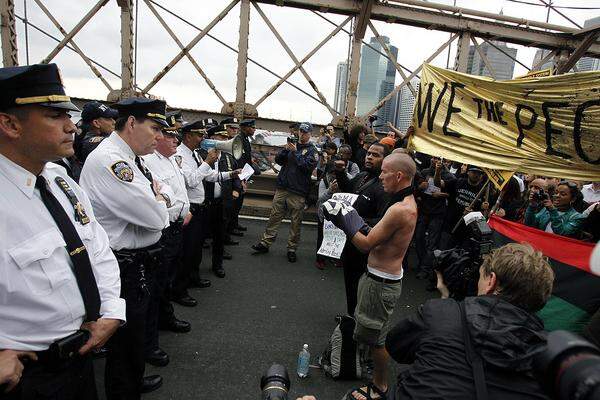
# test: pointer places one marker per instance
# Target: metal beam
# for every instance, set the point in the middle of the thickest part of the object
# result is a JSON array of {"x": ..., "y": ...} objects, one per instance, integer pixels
[
  {"x": 360, "y": 26},
  {"x": 188, "y": 55},
  {"x": 242, "y": 60},
  {"x": 390, "y": 57},
  {"x": 486, "y": 61},
  {"x": 414, "y": 73},
  {"x": 10, "y": 55},
  {"x": 189, "y": 47},
  {"x": 295, "y": 60},
  {"x": 305, "y": 59},
  {"x": 461, "y": 60},
  {"x": 74, "y": 31},
  {"x": 579, "y": 51},
  {"x": 562, "y": 38},
  {"x": 74, "y": 45},
  {"x": 127, "y": 60}
]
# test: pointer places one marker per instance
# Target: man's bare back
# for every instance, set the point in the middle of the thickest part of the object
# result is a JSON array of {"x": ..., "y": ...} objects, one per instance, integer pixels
[{"x": 401, "y": 217}]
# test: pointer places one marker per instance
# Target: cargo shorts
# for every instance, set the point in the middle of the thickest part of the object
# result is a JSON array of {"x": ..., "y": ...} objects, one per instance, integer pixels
[{"x": 376, "y": 302}]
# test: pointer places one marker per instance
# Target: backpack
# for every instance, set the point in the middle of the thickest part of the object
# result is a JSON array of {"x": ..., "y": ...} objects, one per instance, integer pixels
[{"x": 342, "y": 357}]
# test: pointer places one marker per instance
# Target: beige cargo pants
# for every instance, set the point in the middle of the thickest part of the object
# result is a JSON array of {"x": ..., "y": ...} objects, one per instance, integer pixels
[{"x": 284, "y": 201}]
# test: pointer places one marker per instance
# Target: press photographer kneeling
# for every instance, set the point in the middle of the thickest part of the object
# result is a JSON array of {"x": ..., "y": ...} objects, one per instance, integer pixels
[{"x": 492, "y": 357}]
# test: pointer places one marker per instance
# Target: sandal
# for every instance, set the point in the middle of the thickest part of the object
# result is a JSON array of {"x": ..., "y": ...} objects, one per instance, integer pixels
[{"x": 371, "y": 390}]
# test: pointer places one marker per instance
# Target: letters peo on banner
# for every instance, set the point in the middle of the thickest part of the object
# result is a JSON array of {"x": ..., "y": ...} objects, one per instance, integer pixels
[{"x": 544, "y": 126}]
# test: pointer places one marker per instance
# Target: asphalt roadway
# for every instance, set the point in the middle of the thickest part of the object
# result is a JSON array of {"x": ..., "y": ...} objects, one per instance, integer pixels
[{"x": 262, "y": 312}]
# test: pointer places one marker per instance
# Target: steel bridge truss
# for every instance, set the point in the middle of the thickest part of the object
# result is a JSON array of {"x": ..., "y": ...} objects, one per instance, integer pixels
[{"x": 466, "y": 26}]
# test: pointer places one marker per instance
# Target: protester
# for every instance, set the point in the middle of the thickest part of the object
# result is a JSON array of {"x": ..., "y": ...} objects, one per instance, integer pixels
[
  {"x": 345, "y": 153},
  {"x": 388, "y": 141},
  {"x": 355, "y": 138},
  {"x": 499, "y": 325},
  {"x": 293, "y": 184},
  {"x": 387, "y": 242},
  {"x": 329, "y": 150},
  {"x": 557, "y": 214},
  {"x": 511, "y": 201}
]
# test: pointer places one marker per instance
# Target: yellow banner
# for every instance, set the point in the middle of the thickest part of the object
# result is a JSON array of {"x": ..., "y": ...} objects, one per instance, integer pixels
[
  {"x": 545, "y": 126},
  {"x": 498, "y": 178}
]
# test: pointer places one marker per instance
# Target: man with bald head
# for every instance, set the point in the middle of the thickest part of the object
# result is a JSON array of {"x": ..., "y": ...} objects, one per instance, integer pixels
[{"x": 387, "y": 242}]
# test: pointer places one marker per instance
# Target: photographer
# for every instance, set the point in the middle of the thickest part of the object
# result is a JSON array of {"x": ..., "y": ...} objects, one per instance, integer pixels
[
  {"x": 298, "y": 160},
  {"x": 502, "y": 334},
  {"x": 345, "y": 153},
  {"x": 557, "y": 214}
]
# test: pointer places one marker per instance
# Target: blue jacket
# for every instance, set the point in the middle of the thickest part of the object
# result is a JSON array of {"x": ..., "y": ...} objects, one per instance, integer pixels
[{"x": 297, "y": 167}]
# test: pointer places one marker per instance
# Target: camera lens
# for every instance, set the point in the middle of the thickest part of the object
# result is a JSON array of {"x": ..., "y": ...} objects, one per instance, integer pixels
[{"x": 275, "y": 383}]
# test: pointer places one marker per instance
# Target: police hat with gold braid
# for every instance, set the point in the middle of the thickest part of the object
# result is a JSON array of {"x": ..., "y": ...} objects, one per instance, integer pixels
[
  {"x": 172, "y": 130},
  {"x": 196, "y": 127},
  {"x": 143, "y": 108},
  {"x": 38, "y": 84}
]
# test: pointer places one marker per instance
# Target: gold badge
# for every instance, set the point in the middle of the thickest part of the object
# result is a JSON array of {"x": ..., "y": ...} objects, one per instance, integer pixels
[
  {"x": 122, "y": 170},
  {"x": 96, "y": 139},
  {"x": 304, "y": 152}
]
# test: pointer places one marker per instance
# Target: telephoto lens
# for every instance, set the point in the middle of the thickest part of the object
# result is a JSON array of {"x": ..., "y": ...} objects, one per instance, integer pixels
[
  {"x": 569, "y": 368},
  {"x": 275, "y": 383}
]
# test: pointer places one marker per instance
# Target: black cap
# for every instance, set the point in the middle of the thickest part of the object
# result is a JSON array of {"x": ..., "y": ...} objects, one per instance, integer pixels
[
  {"x": 248, "y": 122},
  {"x": 194, "y": 127},
  {"x": 95, "y": 109},
  {"x": 217, "y": 130},
  {"x": 474, "y": 168},
  {"x": 210, "y": 123},
  {"x": 146, "y": 108},
  {"x": 39, "y": 84},
  {"x": 232, "y": 121},
  {"x": 174, "y": 116}
]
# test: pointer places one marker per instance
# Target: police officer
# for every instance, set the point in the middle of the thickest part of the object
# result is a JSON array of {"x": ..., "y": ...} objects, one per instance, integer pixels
[
  {"x": 97, "y": 122},
  {"x": 175, "y": 119},
  {"x": 59, "y": 292},
  {"x": 132, "y": 209},
  {"x": 165, "y": 168},
  {"x": 219, "y": 200}
]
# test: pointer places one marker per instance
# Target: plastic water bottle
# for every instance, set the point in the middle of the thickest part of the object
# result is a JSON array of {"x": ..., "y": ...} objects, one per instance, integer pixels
[{"x": 303, "y": 362}]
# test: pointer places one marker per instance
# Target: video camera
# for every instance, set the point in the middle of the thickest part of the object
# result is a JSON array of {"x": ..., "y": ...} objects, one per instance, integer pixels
[
  {"x": 569, "y": 367},
  {"x": 292, "y": 139},
  {"x": 275, "y": 383},
  {"x": 459, "y": 266}
]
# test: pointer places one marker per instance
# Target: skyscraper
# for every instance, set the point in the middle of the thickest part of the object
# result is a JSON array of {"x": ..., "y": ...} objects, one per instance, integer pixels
[
  {"x": 502, "y": 64},
  {"x": 341, "y": 83},
  {"x": 589, "y": 63},
  {"x": 539, "y": 56},
  {"x": 405, "y": 105},
  {"x": 376, "y": 80}
]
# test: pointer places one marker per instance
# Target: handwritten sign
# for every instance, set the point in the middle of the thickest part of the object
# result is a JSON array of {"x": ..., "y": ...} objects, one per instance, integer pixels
[{"x": 334, "y": 239}]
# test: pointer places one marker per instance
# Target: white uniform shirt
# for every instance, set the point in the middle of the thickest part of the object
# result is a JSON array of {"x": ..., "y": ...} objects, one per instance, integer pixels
[
  {"x": 167, "y": 172},
  {"x": 39, "y": 297},
  {"x": 123, "y": 200},
  {"x": 194, "y": 174},
  {"x": 589, "y": 194}
]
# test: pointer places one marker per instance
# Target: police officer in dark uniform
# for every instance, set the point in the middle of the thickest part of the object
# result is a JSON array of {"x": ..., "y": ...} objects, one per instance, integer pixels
[
  {"x": 97, "y": 122},
  {"x": 219, "y": 200}
]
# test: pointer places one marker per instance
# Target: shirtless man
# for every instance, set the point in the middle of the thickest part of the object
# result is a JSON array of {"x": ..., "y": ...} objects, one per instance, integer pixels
[{"x": 387, "y": 242}]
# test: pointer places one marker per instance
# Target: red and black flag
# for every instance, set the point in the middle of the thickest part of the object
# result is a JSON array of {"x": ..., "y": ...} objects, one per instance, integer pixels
[{"x": 576, "y": 293}]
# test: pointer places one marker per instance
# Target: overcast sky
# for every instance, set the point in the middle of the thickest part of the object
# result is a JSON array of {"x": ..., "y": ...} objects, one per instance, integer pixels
[{"x": 302, "y": 30}]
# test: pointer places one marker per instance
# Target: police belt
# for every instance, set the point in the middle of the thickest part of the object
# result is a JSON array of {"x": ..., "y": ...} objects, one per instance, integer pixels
[
  {"x": 174, "y": 228},
  {"x": 138, "y": 256},
  {"x": 63, "y": 352},
  {"x": 196, "y": 208}
]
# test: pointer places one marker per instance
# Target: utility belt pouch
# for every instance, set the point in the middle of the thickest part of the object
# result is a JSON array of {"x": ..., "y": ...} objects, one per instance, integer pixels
[{"x": 68, "y": 347}]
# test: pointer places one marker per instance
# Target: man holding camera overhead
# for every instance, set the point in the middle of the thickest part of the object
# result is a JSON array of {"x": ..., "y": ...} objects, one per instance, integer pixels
[{"x": 298, "y": 160}]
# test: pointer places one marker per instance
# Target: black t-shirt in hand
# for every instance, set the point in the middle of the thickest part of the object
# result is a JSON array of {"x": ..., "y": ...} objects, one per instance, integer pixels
[{"x": 430, "y": 205}]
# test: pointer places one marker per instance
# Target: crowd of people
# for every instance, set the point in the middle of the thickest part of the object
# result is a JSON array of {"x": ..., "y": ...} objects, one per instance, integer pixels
[{"x": 105, "y": 225}]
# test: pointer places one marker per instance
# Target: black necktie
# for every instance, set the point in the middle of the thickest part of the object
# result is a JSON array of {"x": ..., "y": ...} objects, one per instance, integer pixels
[
  {"x": 196, "y": 157},
  {"x": 82, "y": 267},
  {"x": 145, "y": 171}
]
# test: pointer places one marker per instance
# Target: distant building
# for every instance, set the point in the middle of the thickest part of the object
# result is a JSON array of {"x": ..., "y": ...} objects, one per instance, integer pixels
[
  {"x": 589, "y": 63},
  {"x": 405, "y": 104},
  {"x": 376, "y": 80},
  {"x": 341, "y": 86},
  {"x": 540, "y": 54},
  {"x": 502, "y": 64}
]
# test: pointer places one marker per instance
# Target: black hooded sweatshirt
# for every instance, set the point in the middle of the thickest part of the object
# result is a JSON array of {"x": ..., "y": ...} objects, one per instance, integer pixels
[{"x": 505, "y": 336}]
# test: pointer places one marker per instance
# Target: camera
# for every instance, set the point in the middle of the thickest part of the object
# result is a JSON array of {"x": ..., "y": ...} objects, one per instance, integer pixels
[
  {"x": 540, "y": 196},
  {"x": 569, "y": 367},
  {"x": 459, "y": 266},
  {"x": 275, "y": 383},
  {"x": 373, "y": 118},
  {"x": 292, "y": 139}
]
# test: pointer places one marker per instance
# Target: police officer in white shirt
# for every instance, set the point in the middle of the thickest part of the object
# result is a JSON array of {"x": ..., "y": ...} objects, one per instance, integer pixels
[
  {"x": 195, "y": 171},
  {"x": 165, "y": 168},
  {"x": 59, "y": 291},
  {"x": 131, "y": 207}
]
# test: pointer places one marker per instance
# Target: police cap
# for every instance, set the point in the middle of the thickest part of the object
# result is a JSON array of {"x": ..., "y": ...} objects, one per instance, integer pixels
[
  {"x": 248, "y": 122},
  {"x": 230, "y": 122},
  {"x": 39, "y": 84},
  {"x": 194, "y": 127},
  {"x": 95, "y": 109},
  {"x": 217, "y": 130},
  {"x": 175, "y": 116},
  {"x": 153, "y": 109}
]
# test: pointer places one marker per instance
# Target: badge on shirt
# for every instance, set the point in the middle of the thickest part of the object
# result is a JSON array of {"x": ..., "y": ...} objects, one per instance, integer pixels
[
  {"x": 122, "y": 170},
  {"x": 96, "y": 139},
  {"x": 304, "y": 152},
  {"x": 179, "y": 160}
]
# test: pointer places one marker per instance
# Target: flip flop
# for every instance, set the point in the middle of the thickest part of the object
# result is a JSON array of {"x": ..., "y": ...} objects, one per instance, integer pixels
[{"x": 371, "y": 390}]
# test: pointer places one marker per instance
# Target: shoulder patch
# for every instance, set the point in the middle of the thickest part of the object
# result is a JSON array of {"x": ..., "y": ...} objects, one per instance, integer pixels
[
  {"x": 122, "y": 170},
  {"x": 96, "y": 139}
]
